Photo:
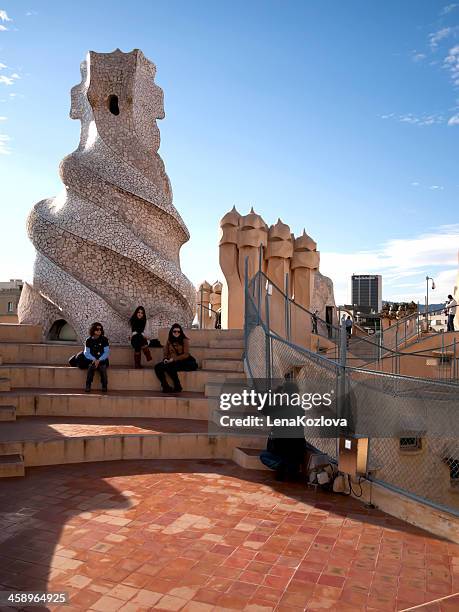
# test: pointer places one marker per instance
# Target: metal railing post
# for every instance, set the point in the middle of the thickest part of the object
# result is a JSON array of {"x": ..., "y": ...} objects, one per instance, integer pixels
[
  {"x": 286, "y": 301},
  {"x": 342, "y": 368},
  {"x": 246, "y": 302},
  {"x": 259, "y": 297},
  {"x": 455, "y": 360},
  {"x": 268, "y": 340},
  {"x": 200, "y": 308}
]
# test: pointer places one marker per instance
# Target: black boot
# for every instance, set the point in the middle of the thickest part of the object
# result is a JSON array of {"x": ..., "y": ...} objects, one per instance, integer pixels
[
  {"x": 137, "y": 357},
  {"x": 103, "y": 377},
  {"x": 175, "y": 379},
  {"x": 161, "y": 374},
  {"x": 89, "y": 378}
]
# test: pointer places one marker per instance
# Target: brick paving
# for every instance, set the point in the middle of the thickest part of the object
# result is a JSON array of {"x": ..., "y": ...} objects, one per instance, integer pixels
[{"x": 203, "y": 536}]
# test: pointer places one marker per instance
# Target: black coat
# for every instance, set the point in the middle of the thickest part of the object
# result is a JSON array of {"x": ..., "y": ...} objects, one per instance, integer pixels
[{"x": 96, "y": 346}]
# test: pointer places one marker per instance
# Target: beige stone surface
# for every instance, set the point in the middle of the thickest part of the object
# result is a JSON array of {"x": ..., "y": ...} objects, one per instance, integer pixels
[
  {"x": 11, "y": 466},
  {"x": 55, "y": 354},
  {"x": 19, "y": 334},
  {"x": 416, "y": 513},
  {"x": 56, "y": 449},
  {"x": 120, "y": 379},
  {"x": 280, "y": 253},
  {"x": 208, "y": 304},
  {"x": 7, "y": 413},
  {"x": 111, "y": 240}
]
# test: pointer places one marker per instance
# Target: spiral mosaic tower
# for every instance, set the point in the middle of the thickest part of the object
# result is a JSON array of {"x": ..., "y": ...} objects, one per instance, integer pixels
[{"x": 111, "y": 240}]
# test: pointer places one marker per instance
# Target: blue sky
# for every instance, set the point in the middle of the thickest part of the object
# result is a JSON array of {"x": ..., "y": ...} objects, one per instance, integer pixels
[{"x": 339, "y": 117}]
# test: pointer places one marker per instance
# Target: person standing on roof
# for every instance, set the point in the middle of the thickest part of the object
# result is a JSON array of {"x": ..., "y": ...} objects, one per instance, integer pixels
[{"x": 451, "y": 306}]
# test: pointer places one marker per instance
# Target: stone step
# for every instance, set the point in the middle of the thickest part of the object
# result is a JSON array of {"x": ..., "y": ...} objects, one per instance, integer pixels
[
  {"x": 52, "y": 441},
  {"x": 11, "y": 465},
  {"x": 124, "y": 379},
  {"x": 232, "y": 343},
  {"x": 215, "y": 387},
  {"x": 60, "y": 353},
  {"x": 248, "y": 458},
  {"x": 225, "y": 365},
  {"x": 10, "y": 332},
  {"x": 7, "y": 412},
  {"x": 5, "y": 384},
  {"x": 114, "y": 404},
  {"x": 207, "y": 335}
]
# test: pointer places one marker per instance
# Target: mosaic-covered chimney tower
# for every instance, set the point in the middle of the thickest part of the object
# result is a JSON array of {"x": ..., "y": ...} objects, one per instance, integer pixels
[{"x": 111, "y": 240}]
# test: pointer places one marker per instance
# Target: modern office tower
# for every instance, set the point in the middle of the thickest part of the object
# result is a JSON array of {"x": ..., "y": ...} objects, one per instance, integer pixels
[{"x": 367, "y": 292}]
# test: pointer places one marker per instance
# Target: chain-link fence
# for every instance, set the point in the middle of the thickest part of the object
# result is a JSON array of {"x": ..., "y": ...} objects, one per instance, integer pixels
[
  {"x": 386, "y": 350},
  {"x": 412, "y": 423}
]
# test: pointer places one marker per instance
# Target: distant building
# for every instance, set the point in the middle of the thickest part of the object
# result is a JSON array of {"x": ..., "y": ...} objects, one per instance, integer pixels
[
  {"x": 10, "y": 293},
  {"x": 367, "y": 293},
  {"x": 438, "y": 321}
]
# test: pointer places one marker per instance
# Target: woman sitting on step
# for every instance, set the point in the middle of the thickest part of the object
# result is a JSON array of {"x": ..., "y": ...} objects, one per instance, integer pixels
[
  {"x": 139, "y": 342},
  {"x": 177, "y": 358},
  {"x": 97, "y": 349}
]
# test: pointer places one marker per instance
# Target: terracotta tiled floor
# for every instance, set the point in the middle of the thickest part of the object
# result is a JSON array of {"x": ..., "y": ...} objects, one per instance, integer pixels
[{"x": 201, "y": 535}]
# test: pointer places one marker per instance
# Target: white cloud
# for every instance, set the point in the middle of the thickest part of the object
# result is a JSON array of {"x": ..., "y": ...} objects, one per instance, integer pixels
[
  {"x": 3, "y": 66},
  {"x": 31, "y": 13},
  {"x": 3, "y": 28},
  {"x": 15, "y": 75},
  {"x": 6, "y": 80},
  {"x": 408, "y": 119},
  {"x": 451, "y": 63},
  {"x": 454, "y": 120},
  {"x": 417, "y": 57},
  {"x": 448, "y": 8},
  {"x": 401, "y": 262},
  {"x": 3, "y": 118},
  {"x": 430, "y": 187},
  {"x": 425, "y": 119},
  {"x": 440, "y": 35},
  {"x": 4, "y": 140},
  {"x": 4, "y": 16}
]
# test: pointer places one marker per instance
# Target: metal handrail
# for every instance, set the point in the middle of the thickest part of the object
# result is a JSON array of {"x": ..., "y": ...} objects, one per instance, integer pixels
[
  {"x": 382, "y": 350},
  {"x": 206, "y": 309}
]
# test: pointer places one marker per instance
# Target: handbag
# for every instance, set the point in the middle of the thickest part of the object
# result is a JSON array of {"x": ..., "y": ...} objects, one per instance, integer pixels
[{"x": 79, "y": 361}]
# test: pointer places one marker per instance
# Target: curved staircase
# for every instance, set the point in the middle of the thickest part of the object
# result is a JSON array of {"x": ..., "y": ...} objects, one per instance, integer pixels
[{"x": 47, "y": 418}]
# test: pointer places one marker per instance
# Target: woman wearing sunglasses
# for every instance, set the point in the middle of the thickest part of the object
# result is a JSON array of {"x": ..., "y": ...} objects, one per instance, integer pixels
[
  {"x": 177, "y": 358},
  {"x": 139, "y": 341},
  {"x": 96, "y": 349}
]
